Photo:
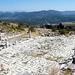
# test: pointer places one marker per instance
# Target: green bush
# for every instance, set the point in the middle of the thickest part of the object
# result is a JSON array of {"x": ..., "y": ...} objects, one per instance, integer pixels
[
  {"x": 64, "y": 31},
  {"x": 13, "y": 28},
  {"x": 54, "y": 29},
  {"x": 6, "y": 23},
  {"x": 31, "y": 28},
  {"x": 1, "y": 21},
  {"x": 20, "y": 26}
]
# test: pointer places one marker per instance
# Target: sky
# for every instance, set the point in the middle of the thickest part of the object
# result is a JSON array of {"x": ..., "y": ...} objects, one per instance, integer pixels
[{"x": 36, "y": 5}]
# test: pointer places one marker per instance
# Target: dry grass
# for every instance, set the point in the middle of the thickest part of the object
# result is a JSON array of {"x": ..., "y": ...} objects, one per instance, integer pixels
[
  {"x": 66, "y": 72},
  {"x": 37, "y": 53},
  {"x": 55, "y": 58},
  {"x": 68, "y": 23},
  {"x": 54, "y": 71},
  {"x": 2, "y": 69}
]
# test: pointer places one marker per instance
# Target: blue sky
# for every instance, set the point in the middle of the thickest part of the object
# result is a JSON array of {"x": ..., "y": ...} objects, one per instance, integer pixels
[{"x": 36, "y": 5}]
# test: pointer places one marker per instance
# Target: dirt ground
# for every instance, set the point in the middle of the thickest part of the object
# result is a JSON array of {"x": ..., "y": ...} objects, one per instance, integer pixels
[{"x": 25, "y": 33}]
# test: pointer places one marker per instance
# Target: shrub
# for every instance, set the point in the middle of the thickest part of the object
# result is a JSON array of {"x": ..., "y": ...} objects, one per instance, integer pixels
[
  {"x": 20, "y": 26},
  {"x": 64, "y": 31},
  {"x": 31, "y": 28},
  {"x": 1, "y": 21},
  {"x": 13, "y": 28},
  {"x": 54, "y": 29},
  {"x": 6, "y": 23}
]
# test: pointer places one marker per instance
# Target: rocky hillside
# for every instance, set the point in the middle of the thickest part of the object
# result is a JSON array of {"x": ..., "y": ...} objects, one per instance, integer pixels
[{"x": 36, "y": 56}]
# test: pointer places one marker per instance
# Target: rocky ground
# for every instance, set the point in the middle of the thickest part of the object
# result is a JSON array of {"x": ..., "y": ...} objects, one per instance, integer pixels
[{"x": 39, "y": 55}]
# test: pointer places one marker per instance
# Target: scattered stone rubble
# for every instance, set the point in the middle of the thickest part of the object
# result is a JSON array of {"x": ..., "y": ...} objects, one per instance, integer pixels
[
  {"x": 39, "y": 55},
  {"x": 69, "y": 64}
]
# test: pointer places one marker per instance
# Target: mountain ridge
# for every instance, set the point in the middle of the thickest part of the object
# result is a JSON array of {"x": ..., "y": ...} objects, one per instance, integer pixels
[{"x": 38, "y": 17}]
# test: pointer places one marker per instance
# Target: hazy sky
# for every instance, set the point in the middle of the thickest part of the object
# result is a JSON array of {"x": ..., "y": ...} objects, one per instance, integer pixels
[{"x": 36, "y": 5}]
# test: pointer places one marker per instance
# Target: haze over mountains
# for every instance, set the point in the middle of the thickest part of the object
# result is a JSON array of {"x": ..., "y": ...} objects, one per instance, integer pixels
[{"x": 39, "y": 17}]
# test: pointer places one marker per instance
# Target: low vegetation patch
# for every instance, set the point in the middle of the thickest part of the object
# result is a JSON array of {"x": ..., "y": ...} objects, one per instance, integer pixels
[{"x": 64, "y": 31}]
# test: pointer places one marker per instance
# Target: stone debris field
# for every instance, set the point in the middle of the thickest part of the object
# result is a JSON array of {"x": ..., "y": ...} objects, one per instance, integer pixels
[{"x": 33, "y": 56}]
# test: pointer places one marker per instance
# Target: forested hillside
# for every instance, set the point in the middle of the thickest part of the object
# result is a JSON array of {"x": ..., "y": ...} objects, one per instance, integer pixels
[{"x": 39, "y": 17}]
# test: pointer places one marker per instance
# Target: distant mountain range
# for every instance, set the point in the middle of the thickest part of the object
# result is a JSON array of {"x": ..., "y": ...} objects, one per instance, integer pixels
[{"x": 39, "y": 17}]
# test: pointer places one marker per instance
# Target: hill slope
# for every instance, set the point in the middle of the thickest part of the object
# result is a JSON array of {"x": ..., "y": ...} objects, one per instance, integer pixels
[{"x": 38, "y": 17}]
